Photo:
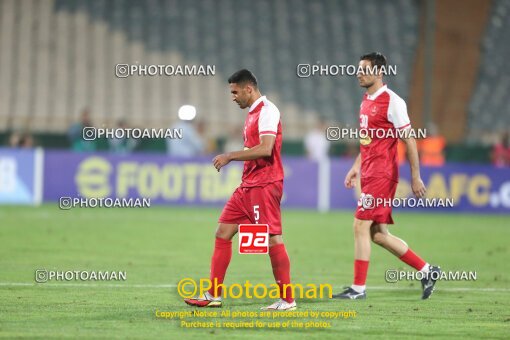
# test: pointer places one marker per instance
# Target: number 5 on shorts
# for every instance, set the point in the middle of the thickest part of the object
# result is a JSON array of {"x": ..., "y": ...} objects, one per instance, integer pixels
[{"x": 256, "y": 213}]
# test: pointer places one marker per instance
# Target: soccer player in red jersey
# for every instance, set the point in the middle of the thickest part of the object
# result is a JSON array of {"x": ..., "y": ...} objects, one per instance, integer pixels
[
  {"x": 377, "y": 166},
  {"x": 257, "y": 199}
]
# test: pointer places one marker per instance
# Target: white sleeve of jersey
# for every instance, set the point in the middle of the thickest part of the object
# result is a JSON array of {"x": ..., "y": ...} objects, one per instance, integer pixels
[
  {"x": 397, "y": 113},
  {"x": 269, "y": 119}
]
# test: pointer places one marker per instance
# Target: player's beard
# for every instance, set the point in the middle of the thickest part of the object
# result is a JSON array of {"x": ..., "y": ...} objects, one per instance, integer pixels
[{"x": 367, "y": 85}]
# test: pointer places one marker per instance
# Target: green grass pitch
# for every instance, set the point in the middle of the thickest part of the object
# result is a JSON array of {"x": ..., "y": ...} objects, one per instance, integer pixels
[{"x": 159, "y": 246}]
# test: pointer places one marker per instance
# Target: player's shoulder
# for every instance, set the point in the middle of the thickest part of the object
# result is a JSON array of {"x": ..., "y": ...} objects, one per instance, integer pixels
[
  {"x": 270, "y": 107},
  {"x": 394, "y": 97}
]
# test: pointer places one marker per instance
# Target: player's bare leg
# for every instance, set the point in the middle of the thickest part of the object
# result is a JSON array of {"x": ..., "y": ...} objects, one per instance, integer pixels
[
  {"x": 226, "y": 231},
  {"x": 219, "y": 264},
  {"x": 362, "y": 244},
  {"x": 398, "y": 247},
  {"x": 281, "y": 270},
  {"x": 381, "y": 236}
]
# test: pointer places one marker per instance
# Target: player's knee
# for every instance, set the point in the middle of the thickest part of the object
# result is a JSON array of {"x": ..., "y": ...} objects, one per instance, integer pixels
[
  {"x": 222, "y": 235},
  {"x": 275, "y": 239},
  {"x": 225, "y": 232},
  {"x": 378, "y": 238},
  {"x": 360, "y": 230}
]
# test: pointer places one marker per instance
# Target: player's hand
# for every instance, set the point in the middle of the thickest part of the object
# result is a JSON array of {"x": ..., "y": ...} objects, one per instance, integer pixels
[
  {"x": 350, "y": 178},
  {"x": 220, "y": 161},
  {"x": 418, "y": 188}
]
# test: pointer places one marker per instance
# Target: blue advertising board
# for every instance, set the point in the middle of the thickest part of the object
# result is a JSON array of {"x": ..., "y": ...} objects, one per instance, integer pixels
[{"x": 20, "y": 179}]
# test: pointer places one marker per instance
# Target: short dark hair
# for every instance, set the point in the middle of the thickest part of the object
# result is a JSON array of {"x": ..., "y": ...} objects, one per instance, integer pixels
[
  {"x": 242, "y": 77},
  {"x": 377, "y": 59}
]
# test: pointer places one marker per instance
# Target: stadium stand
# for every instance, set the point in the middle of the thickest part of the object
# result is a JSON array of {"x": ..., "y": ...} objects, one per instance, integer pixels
[
  {"x": 57, "y": 57},
  {"x": 488, "y": 109}
]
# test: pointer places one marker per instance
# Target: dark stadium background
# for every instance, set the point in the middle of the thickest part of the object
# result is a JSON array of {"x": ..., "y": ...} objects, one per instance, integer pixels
[{"x": 58, "y": 58}]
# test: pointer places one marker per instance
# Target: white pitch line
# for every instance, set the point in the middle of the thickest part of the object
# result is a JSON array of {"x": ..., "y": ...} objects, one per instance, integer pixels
[{"x": 163, "y": 286}]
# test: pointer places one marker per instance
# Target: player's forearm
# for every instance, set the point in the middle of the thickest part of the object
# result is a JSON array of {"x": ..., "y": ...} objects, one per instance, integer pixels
[
  {"x": 357, "y": 163},
  {"x": 259, "y": 151},
  {"x": 412, "y": 156}
]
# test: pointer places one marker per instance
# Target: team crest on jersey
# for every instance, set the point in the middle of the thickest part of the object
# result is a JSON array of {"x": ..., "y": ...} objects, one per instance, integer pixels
[
  {"x": 373, "y": 110},
  {"x": 365, "y": 140}
]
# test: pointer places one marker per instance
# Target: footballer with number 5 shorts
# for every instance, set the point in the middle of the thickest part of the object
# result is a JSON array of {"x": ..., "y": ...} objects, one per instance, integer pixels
[
  {"x": 257, "y": 199},
  {"x": 377, "y": 166}
]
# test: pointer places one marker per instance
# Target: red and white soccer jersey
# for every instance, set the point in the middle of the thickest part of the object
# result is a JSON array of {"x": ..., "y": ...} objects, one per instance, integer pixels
[
  {"x": 263, "y": 119},
  {"x": 382, "y": 111},
  {"x": 257, "y": 200}
]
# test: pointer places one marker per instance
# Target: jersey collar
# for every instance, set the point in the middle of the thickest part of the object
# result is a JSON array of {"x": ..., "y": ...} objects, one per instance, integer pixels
[
  {"x": 256, "y": 103},
  {"x": 377, "y": 93}
]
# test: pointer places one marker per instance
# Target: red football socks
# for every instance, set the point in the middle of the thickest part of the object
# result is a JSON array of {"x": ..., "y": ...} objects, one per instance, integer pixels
[
  {"x": 281, "y": 269},
  {"x": 360, "y": 272},
  {"x": 219, "y": 264},
  {"x": 413, "y": 260}
]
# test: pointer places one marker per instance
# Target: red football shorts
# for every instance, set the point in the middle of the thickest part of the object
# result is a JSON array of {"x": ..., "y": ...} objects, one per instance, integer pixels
[
  {"x": 369, "y": 207},
  {"x": 255, "y": 205}
]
